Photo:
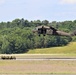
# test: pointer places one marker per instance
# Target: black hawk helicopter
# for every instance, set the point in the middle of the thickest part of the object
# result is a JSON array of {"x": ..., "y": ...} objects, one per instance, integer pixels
[{"x": 49, "y": 30}]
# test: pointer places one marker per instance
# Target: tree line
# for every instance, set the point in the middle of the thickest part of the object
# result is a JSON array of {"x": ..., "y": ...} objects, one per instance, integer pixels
[{"x": 17, "y": 36}]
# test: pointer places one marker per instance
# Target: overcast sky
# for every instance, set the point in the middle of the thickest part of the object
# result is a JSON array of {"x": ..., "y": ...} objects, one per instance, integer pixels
[{"x": 52, "y": 10}]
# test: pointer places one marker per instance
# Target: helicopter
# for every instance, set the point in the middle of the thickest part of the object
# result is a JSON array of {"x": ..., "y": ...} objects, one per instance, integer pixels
[{"x": 49, "y": 30}]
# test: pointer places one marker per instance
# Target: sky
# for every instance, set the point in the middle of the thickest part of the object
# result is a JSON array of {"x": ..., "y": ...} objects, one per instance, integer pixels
[{"x": 51, "y": 10}]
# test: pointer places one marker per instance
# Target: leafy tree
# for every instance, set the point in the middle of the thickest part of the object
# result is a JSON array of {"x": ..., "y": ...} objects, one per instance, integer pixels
[{"x": 17, "y": 36}]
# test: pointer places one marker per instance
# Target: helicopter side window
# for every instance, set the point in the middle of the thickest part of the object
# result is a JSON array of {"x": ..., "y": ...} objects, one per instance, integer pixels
[
  {"x": 39, "y": 31},
  {"x": 42, "y": 31}
]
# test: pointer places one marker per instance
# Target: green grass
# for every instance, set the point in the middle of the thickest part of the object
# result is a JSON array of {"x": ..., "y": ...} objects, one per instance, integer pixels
[{"x": 69, "y": 49}]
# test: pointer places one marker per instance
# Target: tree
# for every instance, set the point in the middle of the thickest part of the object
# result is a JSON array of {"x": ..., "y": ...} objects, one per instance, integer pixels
[
  {"x": 45, "y": 22},
  {"x": 17, "y": 36}
]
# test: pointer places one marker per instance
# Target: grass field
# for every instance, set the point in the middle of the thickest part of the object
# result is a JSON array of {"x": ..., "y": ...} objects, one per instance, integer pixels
[
  {"x": 38, "y": 67},
  {"x": 14, "y": 67},
  {"x": 41, "y": 67},
  {"x": 69, "y": 49}
]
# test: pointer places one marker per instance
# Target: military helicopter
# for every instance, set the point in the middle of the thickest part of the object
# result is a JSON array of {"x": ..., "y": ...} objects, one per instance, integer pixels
[{"x": 49, "y": 30}]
